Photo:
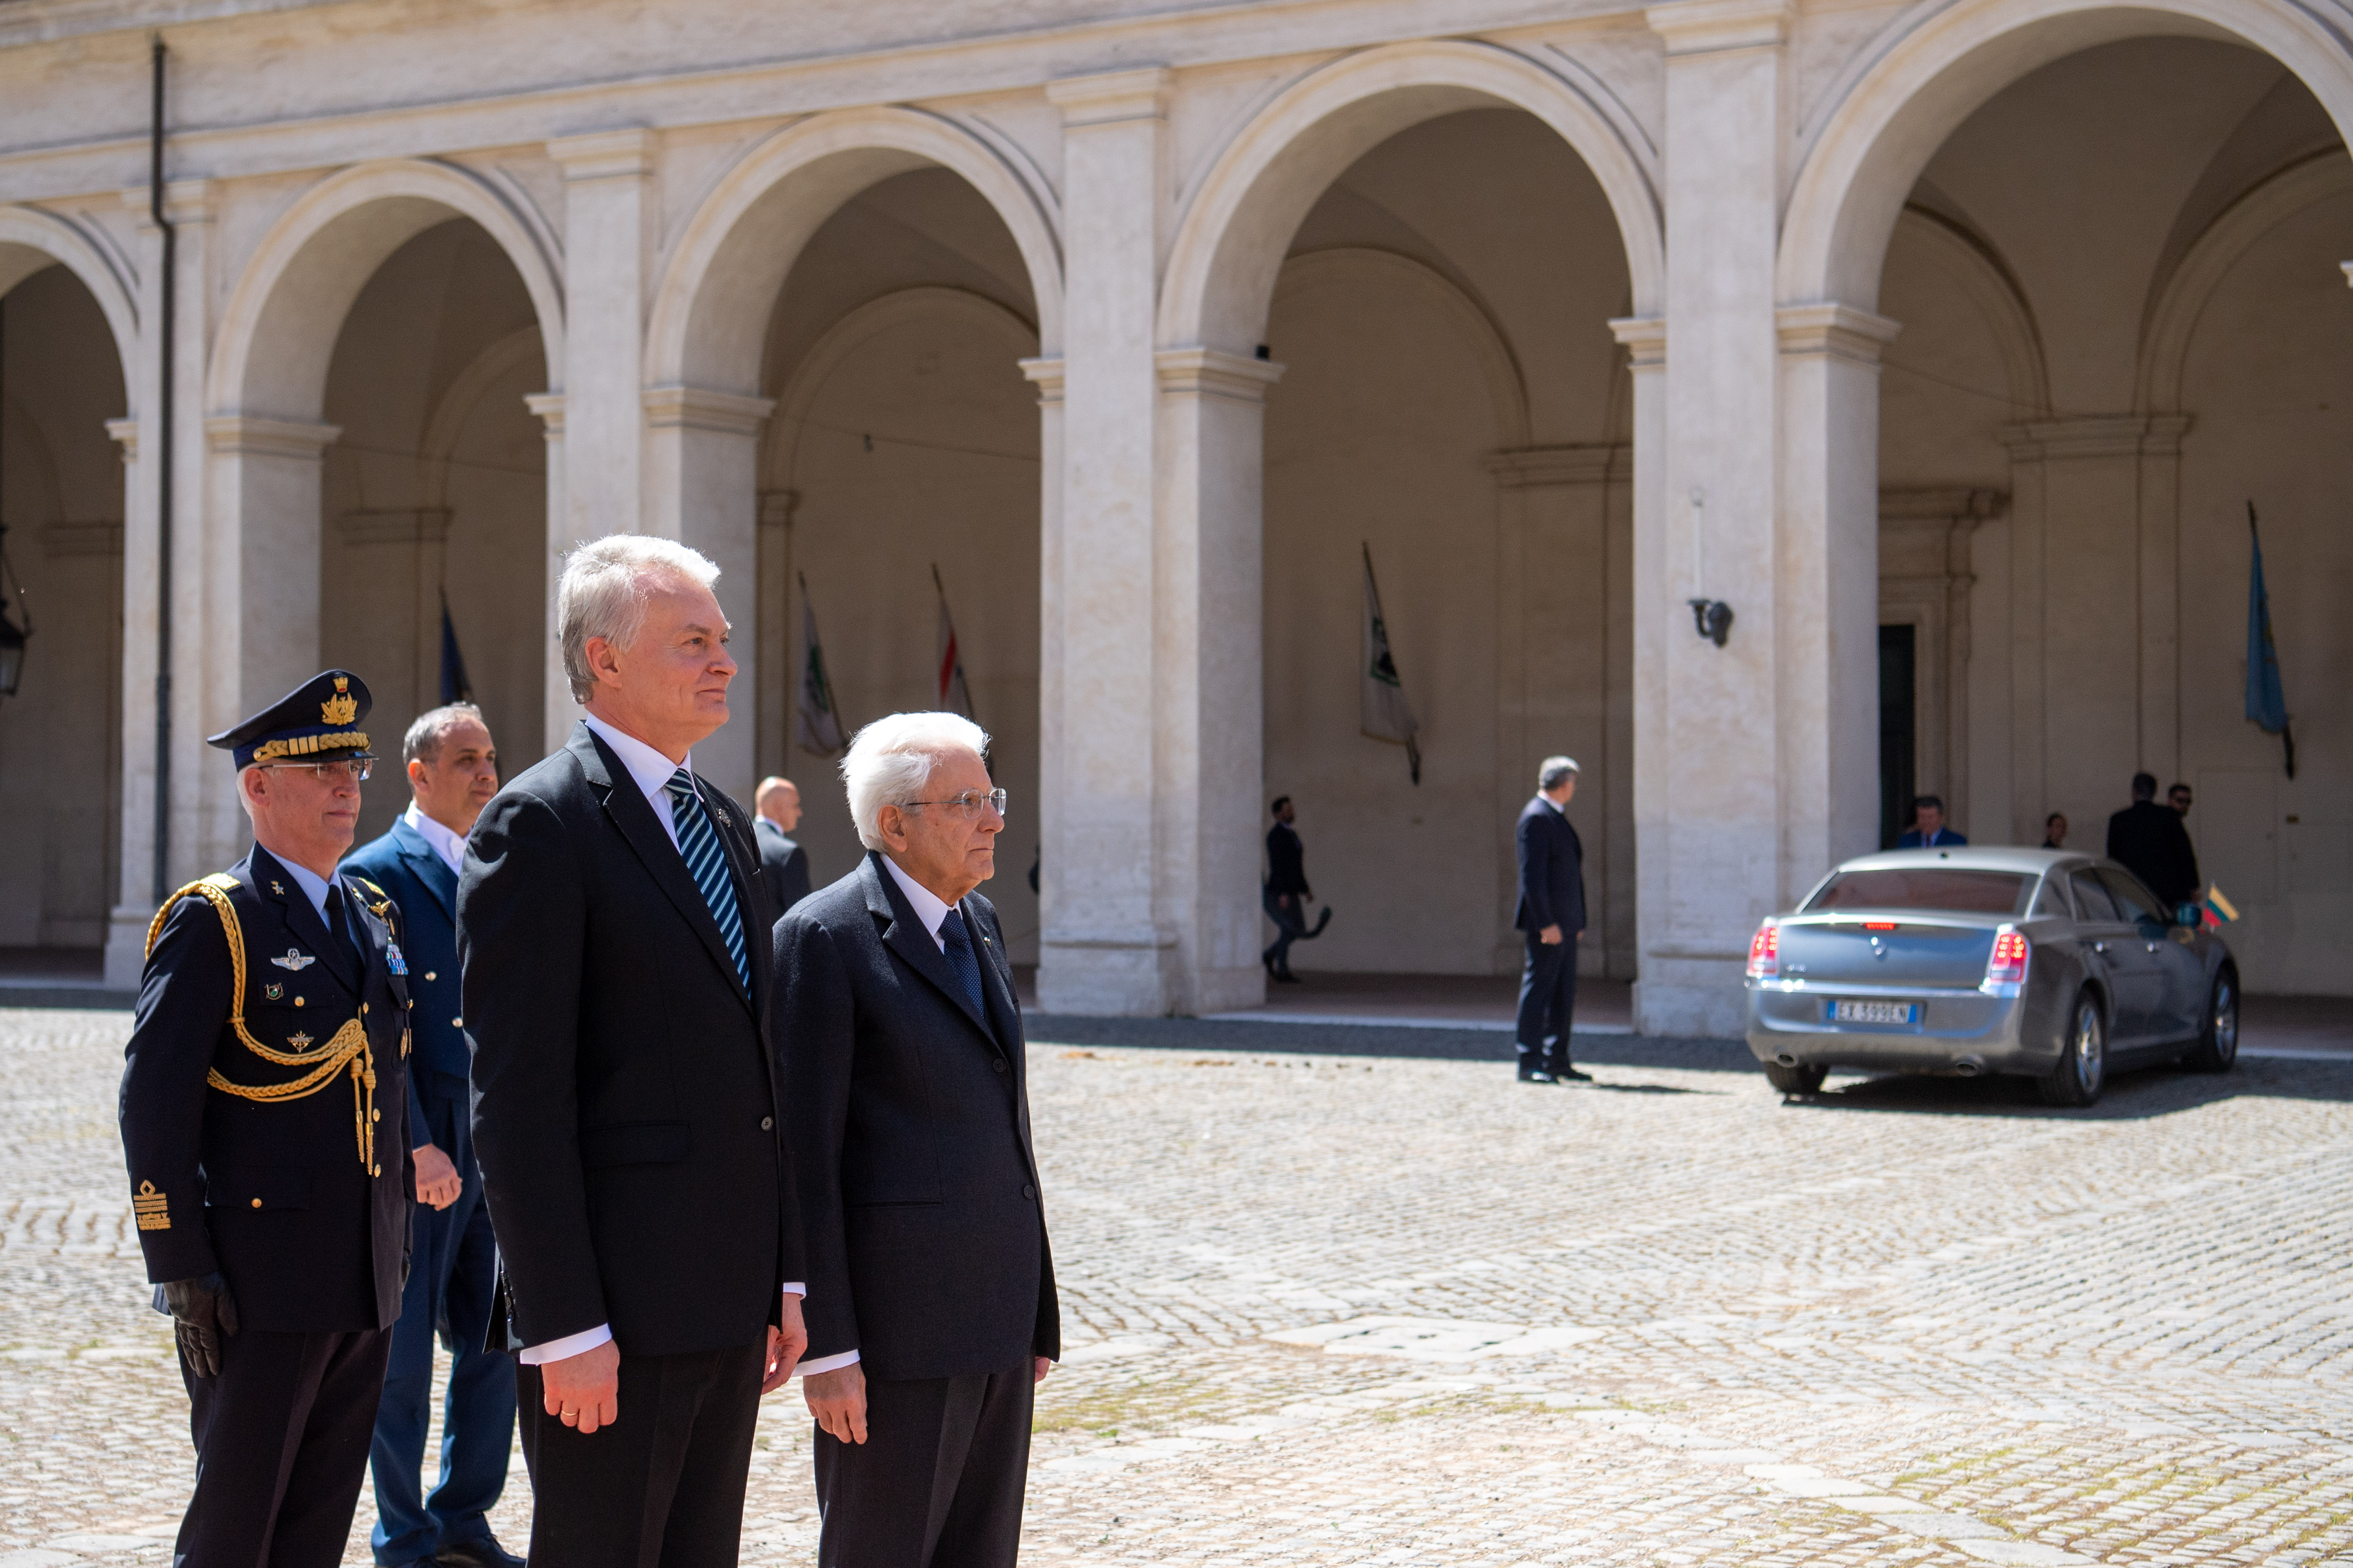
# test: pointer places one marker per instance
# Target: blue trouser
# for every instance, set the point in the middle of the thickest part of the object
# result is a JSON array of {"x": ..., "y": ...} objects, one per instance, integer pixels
[
  {"x": 453, "y": 1268},
  {"x": 1548, "y": 998}
]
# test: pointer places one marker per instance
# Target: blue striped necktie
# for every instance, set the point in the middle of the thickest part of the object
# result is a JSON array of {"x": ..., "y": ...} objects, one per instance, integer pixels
[{"x": 699, "y": 842}]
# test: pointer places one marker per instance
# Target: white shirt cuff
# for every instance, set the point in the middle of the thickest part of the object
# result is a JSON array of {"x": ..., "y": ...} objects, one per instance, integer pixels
[
  {"x": 795, "y": 1287},
  {"x": 568, "y": 1346},
  {"x": 826, "y": 1364}
]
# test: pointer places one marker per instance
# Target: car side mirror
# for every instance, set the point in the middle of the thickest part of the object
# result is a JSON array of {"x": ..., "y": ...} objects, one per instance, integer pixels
[{"x": 2187, "y": 915}]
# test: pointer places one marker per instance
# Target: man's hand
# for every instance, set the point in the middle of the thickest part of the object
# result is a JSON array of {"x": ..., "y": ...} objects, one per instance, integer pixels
[
  {"x": 837, "y": 1400},
  {"x": 786, "y": 1347},
  {"x": 437, "y": 1181},
  {"x": 584, "y": 1389},
  {"x": 1044, "y": 1366},
  {"x": 1550, "y": 935},
  {"x": 203, "y": 1315}
]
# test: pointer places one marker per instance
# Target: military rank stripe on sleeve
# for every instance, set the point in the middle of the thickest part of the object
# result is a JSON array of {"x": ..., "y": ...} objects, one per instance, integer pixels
[{"x": 154, "y": 1208}]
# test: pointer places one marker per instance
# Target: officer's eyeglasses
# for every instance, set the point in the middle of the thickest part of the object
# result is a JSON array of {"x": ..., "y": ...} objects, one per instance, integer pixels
[
  {"x": 968, "y": 805},
  {"x": 351, "y": 770}
]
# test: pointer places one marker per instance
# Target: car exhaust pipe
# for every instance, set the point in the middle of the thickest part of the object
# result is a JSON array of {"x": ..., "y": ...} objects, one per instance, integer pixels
[
  {"x": 1786, "y": 1059},
  {"x": 1969, "y": 1067}
]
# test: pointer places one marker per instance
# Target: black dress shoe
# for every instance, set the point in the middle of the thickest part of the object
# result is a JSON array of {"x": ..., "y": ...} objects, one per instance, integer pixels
[
  {"x": 1284, "y": 977},
  {"x": 1571, "y": 1075},
  {"x": 484, "y": 1553}
]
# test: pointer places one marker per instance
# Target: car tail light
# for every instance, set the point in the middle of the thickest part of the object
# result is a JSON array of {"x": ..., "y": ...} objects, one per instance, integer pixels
[
  {"x": 1764, "y": 952},
  {"x": 2007, "y": 964}
]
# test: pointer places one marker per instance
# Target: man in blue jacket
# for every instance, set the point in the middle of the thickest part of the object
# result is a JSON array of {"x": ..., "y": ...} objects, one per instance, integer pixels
[
  {"x": 452, "y": 773},
  {"x": 1551, "y": 916}
]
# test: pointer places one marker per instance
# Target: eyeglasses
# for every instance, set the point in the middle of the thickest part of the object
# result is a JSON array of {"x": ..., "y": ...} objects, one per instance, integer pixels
[
  {"x": 968, "y": 805},
  {"x": 353, "y": 770}
]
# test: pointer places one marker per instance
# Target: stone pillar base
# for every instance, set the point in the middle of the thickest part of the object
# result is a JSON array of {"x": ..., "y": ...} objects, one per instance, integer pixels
[
  {"x": 1108, "y": 978},
  {"x": 1692, "y": 998},
  {"x": 126, "y": 945},
  {"x": 1229, "y": 990}
]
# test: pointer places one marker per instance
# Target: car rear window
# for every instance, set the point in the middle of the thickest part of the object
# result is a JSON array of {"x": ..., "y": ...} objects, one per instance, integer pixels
[{"x": 1926, "y": 888}]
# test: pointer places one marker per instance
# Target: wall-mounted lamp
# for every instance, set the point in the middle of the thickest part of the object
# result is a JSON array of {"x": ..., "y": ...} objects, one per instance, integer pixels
[{"x": 1713, "y": 618}]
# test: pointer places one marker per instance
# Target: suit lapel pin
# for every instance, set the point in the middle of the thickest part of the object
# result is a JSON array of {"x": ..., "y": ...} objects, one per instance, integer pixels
[
  {"x": 278, "y": 888},
  {"x": 272, "y": 991},
  {"x": 294, "y": 959}
]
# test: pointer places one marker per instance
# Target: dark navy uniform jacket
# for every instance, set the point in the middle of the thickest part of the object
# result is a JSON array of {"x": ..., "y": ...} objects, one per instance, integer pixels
[
  {"x": 1552, "y": 870},
  {"x": 302, "y": 1203},
  {"x": 425, "y": 891}
]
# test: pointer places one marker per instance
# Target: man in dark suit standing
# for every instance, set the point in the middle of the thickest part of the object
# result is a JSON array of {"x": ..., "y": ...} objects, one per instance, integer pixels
[
  {"x": 784, "y": 864},
  {"x": 1287, "y": 891},
  {"x": 625, "y": 1103},
  {"x": 932, "y": 1309},
  {"x": 1551, "y": 916},
  {"x": 2149, "y": 840},
  {"x": 453, "y": 772},
  {"x": 265, "y": 1122},
  {"x": 1928, "y": 830}
]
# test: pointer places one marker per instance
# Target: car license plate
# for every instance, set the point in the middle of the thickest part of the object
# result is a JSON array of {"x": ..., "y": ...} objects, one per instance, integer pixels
[{"x": 1875, "y": 1012}]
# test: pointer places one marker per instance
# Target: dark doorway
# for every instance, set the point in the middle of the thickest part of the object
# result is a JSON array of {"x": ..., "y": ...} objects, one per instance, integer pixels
[{"x": 1895, "y": 738}]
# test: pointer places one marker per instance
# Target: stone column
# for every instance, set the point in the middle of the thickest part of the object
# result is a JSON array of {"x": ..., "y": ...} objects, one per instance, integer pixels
[
  {"x": 608, "y": 216},
  {"x": 776, "y": 649},
  {"x": 557, "y": 711},
  {"x": 1046, "y": 375},
  {"x": 702, "y": 463},
  {"x": 1654, "y": 625},
  {"x": 126, "y": 925},
  {"x": 1102, "y": 947},
  {"x": 1711, "y": 722},
  {"x": 1209, "y": 687}
]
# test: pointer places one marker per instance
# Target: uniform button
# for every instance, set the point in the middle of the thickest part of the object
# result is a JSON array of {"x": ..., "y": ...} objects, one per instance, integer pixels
[
  {"x": 429, "y": 975},
  {"x": 375, "y": 1116},
  {"x": 298, "y": 1001},
  {"x": 998, "y": 1064},
  {"x": 767, "y": 1124},
  {"x": 257, "y": 1203},
  {"x": 364, "y": 1009},
  {"x": 457, "y": 1023},
  {"x": 1028, "y": 1191}
]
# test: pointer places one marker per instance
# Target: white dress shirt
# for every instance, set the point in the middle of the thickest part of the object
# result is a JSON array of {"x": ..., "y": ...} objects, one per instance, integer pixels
[
  {"x": 449, "y": 845},
  {"x": 650, "y": 771},
  {"x": 932, "y": 912}
]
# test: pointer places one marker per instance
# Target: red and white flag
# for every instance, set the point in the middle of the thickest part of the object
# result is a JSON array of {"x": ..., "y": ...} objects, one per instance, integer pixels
[{"x": 955, "y": 697}]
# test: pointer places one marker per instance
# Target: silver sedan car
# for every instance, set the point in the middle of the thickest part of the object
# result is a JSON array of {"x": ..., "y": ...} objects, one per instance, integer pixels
[{"x": 2038, "y": 963}]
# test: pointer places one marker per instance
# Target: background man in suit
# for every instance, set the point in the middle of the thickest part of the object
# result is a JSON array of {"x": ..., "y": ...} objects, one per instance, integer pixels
[
  {"x": 1287, "y": 892},
  {"x": 784, "y": 864},
  {"x": 1552, "y": 914},
  {"x": 453, "y": 772},
  {"x": 932, "y": 1309},
  {"x": 1928, "y": 830},
  {"x": 625, "y": 1103},
  {"x": 2150, "y": 840},
  {"x": 264, "y": 1122}
]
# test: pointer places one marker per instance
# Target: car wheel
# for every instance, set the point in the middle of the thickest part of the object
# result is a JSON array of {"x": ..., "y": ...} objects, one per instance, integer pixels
[
  {"x": 2218, "y": 1034},
  {"x": 2083, "y": 1061},
  {"x": 1796, "y": 1079}
]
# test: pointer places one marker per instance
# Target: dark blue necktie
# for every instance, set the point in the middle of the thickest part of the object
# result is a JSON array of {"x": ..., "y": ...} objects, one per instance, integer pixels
[
  {"x": 699, "y": 842},
  {"x": 962, "y": 959}
]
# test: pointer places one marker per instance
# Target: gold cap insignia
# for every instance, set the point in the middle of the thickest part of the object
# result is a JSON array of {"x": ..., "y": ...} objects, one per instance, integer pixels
[
  {"x": 154, "y": 1209},
  {"x": 342, "y": 706}
]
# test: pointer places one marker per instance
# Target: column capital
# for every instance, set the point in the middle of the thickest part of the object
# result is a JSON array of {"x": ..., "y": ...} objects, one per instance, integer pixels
[
  {"x": 184, "y": 201},
  {"x": 1839, "y": 331},
  {"x": 1645, "y": 338},
  {"x": 1111, "y": 97},
  {"x": 777, "y": 507},
  {"x": 703, "y": 408},
  {"x": 605, "y": 154},
  {"x": 1214, "y": 372},
  {"x": 1584, "y": 463},
  {"x": 549, "y": 407},
  {"x": 260, "y": 436},
  {"x": 126, "y": 433},
  {"x": 2094, "y": 435},
  {"x": 1711, "y": 26},
  {"x": 1047, "y": 376}
]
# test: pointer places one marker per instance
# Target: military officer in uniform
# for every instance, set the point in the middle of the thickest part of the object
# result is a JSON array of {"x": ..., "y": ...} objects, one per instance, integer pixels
[{"x": 265, "y": 1123}]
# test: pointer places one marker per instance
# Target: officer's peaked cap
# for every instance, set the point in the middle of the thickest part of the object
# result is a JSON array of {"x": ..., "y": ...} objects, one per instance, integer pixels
[{"x": 321, "y": 718}]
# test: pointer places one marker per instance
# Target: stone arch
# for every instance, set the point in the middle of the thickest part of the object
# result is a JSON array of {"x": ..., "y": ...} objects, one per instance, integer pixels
[
  {"x": 1986, "y": 283},
  {"x": 1499, "y": 367},
  {"x": 1897, "y": 102},
  {"x": 278, "y": 333},
  {"x": 31, "y": 239},
  {"x": 1238, "y": 226},
  {"x": 446, "y": 425},
  {"x": 2182, "y": 301},
  {"x": 739, "y": 246}
]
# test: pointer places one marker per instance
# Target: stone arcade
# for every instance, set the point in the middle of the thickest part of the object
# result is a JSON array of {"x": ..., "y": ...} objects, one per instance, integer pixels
[{"x": 1946, "y": 342}]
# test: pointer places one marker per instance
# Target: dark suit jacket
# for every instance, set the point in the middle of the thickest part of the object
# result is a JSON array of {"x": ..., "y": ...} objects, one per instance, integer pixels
[
  {"x": 1287, "y": 860},
  {"x": 783, "y": 867},
  {"x": 910, "y": 1118},
  {"x": 625, "y": 1106},
  {"x": 271, "y": 1193},
  {"x": 422, "y": 884},
  {"x": 1551, "y": 870},
  {"x": 2150, "y": 840},
  {"x": 1911, "y": 838}
]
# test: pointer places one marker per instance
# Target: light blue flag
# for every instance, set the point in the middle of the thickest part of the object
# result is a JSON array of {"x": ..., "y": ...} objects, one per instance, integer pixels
[{"x": 2266, "y": 700}]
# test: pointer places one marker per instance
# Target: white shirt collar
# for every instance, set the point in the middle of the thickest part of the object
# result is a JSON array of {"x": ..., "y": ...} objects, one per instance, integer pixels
[
  {"x": 444, "y": 843},
  {"x": 648, "y": 769},
  {"x": 926, "y": 904},
  {"x": 313, "y": 886},
  {"x": 1558, "y": 809}
]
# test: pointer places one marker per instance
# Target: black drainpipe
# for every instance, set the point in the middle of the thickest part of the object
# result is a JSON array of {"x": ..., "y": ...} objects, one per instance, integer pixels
[{"x": 162, "y": 456}]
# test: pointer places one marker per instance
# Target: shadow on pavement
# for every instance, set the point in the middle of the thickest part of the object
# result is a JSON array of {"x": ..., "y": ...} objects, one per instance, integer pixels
[
  {"x": 2139, "y": 1094},
  {"x": 1376, "y": 1041}
]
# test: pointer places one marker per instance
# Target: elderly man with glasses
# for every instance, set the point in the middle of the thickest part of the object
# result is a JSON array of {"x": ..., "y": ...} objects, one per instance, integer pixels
[
  {"x": 930, "y": 1288},
  {"x": 264, "y": 1122}
]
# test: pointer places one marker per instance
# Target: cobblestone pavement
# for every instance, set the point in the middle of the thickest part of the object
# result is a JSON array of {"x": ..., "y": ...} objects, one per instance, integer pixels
[{"x": 1385, "y": 1310}]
